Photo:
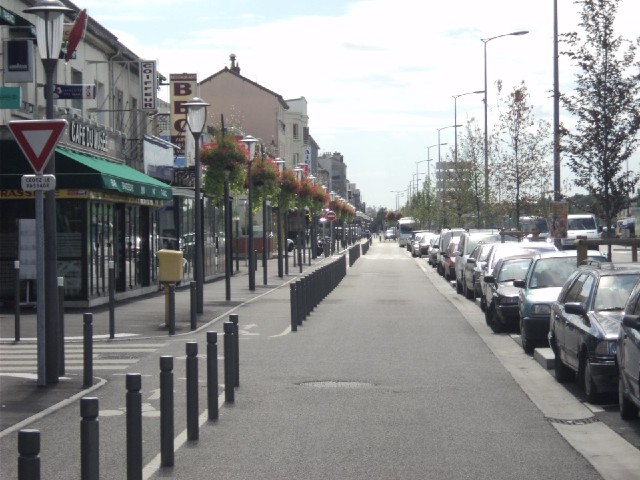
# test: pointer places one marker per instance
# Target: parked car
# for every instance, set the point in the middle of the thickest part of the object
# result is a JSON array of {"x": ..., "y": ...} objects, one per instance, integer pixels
[
  {"x": 433, "y": 251},
  {"x": 445, "y": 239},
  {"x": 414, "y": 244},
  {"x": 468, "y": 241},
  {"x": 473, "y": 268},
  {"x": 585, "y": 325},
  {"x": 538, "y": 224},
  {"x": 501, "y": 310},
  {"x": 628, "y": 357},
  {"x": 508, "y": 249},
  {"x": 448, "y": 259},
  {"x": 424, "y": 244},
  {"x": 547, "y": 274},
  {"x": 390, "y": 234}
]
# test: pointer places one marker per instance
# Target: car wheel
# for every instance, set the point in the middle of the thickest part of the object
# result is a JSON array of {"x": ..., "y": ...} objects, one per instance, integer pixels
[
  {"x": 590, "y": 389},
  {"x": 487, "y": 315},
  {"x": 483, "y": 305},
  {"x": 494, "y": 323},
  {"x": 628, "y": 410},
  {"x": 527, "y": 345},
  {"x": 458, "y": 287},
  {"x": 560, "y": 370}
]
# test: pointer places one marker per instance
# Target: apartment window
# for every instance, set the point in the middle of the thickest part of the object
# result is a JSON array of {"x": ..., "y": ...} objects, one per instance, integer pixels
[{"x": 296, "y": 133}]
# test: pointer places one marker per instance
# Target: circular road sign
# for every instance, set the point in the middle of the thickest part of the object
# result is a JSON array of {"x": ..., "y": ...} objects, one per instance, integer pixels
[{"x": 331, "y": 215}]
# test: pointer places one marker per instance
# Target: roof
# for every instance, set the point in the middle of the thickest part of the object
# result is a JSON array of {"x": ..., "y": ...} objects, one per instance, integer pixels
[{"x": 227, "y": 70}]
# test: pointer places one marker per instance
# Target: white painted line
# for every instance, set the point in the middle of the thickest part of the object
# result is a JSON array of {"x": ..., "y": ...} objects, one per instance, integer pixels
[{"x": 286, "y": 332}]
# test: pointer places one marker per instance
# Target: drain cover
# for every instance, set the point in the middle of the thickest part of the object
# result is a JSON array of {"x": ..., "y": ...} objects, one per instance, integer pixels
[
  {"x": 336, "y": 384},
  {"x": 577, "y": 421}
]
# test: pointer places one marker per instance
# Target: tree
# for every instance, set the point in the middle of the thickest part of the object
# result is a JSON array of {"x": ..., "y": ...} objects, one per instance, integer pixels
[
  {"x": 471, "y": 153},
  {"x": 606, "y": 104},
  {"x": 521, "y": 151}
]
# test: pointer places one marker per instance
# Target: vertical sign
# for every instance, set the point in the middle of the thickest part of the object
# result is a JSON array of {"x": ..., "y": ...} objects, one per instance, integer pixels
[
  {"x": 558, "y": 215},
  {"x": 148, "y": 84},
  {"x": 183, "y": 88}
]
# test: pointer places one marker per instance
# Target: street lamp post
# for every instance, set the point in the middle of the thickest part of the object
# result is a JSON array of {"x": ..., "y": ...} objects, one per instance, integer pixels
[
  {"x": 250, "y": 142},
  {"x": 49, "y": 24},
  {"x": 332, "y": 197},
  {"x": 486, "y": 121},
  {"x": 265, "y": 238},
  {"x": 299, "y": 175},
  {"x": 444, "y": 176},
  {"x": 418, "y": 162},
  {"x": 313, "y": 232},
  {"x": 281, "y": 164},
  {"x": 455, "y": 121},
  {"x": 196, "y": 119}
]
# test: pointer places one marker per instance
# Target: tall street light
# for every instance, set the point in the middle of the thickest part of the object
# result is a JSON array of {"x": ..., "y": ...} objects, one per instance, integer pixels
[
  {"x": 455, "y": 121},
  {"x": 299, "y": 176},
  {"x": 418, "y": 162},
  {"x": 49, "y": 24},
  {"x": 445, "y": 174},
  {"x": 486, "y": 121},
  {"x": 250, "y": 142},
  {"x": 196, "y": 119}
]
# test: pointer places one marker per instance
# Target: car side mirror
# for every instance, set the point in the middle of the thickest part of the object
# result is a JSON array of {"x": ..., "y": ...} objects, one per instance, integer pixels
[
  {"x": 471, "y": 260},
  {"x": 575, "y": 308},
  {"x": 489, "y": 279},
  {"x": 518, "y": 283},
  {"x": 631, "y": 321}
]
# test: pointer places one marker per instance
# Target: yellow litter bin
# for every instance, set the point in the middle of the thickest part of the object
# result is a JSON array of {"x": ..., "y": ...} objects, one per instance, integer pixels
[{"x": 169, "y": 271}]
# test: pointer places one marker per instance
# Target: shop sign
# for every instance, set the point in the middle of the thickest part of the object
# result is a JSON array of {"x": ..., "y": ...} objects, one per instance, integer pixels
[
  {"x": 183, "y": 88},
  {"x": 148, "y": 84},
  {"x": 74, "y": 92},
  {"x": 88, "y": 136},
  {"x": 10, "y": 97}
]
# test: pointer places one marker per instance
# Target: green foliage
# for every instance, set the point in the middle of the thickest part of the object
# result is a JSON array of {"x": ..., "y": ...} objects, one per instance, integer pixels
[{"x": 606, "y": 106}]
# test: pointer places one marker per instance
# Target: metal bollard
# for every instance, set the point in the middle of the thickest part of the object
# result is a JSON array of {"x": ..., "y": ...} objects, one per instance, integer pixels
[
  {"x": 172, "y": 309},
  {"x": 229, "y": 375},
  {"x": 294, "y": 308},
  {"x": 29, "y": 454},
  {"x": 212, "y": 375},
  {"x": 16, "y": 301},
  {"x": 233, "y": 318},
  {"x": 112, "y": 299},
  {"x": 61, "y": 367},
  {"x": 193, "y": 431},
  {"x": 89, "y": 439},
  {"x": 193, "y": 298},
  {"x": 166, "y": 411},
  {"x": 134, "y": 426},
  {"x": 87, "y": 350}
]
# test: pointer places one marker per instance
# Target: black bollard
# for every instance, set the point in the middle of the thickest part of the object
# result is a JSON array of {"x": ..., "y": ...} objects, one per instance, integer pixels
[
  {"x": 166, "y": 411},
  {"x": 193, "y": 298},
  {"x": 87, "y": 353},
  {"x": 89, "y": 439},
  {"x": 212, "y": 375},
  {"x": 29, "y": 454},
  {"x": 193, "y": 432},
  {"x": 134, "y": 426},
  {"x": 229, "y": 375},
  {"x": 61, "y": 367},
  {"x": 233, "y": 318},
  {"x": 16, "y": 301},
  {"x": 172, "y": 309},
  {"x": 112, "y": 299},
  {"x": 294, "y": 308}
]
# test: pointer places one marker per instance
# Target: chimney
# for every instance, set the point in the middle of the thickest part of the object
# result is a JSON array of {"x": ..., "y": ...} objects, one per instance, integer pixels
[{"x": 235, "y": 67}]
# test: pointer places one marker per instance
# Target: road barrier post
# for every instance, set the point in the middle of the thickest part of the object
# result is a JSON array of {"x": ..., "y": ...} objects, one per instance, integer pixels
[
  {"x": 294, "y": 308},
  {"x": 229, "y": 375},
  {"x": 134, "y": 426},
  {"x": 193, "y": 310},
  {"x": 112, "y": 299},
  {"x": 212, "y": 375},
  {"x": 61, "y": 367},
  {"x": 166, "y": 411},
  {"x": 233, "y": 318},
  {"x": 16, "y": 300},
  {"x": 172, "y": 309},
  {"x": 87, "y": 351},
  {"x": 193, "y": 429},
  {"x": 89, "y": 439},
  {"x": 28, "y": 454}
]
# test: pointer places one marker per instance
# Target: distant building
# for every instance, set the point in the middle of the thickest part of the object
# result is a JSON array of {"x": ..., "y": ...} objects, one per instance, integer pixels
[{"x": 334, "y": 164}]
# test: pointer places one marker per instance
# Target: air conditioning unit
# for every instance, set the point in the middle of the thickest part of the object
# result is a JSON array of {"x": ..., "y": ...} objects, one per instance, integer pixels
[{"x": 75, "y": 112}]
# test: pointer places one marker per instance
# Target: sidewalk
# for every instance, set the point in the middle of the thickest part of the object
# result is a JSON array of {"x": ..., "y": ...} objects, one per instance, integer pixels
[{"x": 136, "y": 319}]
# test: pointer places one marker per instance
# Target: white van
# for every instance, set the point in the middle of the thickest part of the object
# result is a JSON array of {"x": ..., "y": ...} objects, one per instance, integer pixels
[{"x": 581, "y": 224}]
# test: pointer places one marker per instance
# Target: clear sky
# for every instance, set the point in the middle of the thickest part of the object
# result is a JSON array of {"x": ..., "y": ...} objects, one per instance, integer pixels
[{"x": 379, "y": 76}]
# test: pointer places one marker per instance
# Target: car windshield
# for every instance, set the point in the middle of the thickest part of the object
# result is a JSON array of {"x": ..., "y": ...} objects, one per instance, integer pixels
[
  {"x": 613, "y": 291},
  {"x": 587, "y": 223},
  {"x": 514, "y": 270},
  {"x": 484, "y": 253},
  {"x": 552, "y": 272}
]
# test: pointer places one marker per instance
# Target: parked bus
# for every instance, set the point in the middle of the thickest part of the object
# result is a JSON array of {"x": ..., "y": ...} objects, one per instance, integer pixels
[{"x": 405, "y": 228}]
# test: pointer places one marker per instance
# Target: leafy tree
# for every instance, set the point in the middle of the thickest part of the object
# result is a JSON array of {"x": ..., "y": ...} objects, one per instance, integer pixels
[
  {"x": 471, "y": 153},
  {"x": 606, "y": 104},
  {"x": 521, "y": 151}
]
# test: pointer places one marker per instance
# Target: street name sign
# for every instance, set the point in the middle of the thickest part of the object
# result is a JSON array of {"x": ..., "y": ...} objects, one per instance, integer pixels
[
  {"x": 37, "y": 139},
  {"x": 32, "y": 183}
]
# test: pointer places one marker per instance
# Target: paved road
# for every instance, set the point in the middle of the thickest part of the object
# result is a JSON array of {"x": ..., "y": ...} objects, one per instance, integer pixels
[{"x": 392, "y": 376}]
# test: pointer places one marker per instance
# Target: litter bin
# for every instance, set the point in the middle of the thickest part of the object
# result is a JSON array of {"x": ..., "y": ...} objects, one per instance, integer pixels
[{"x": 169, "y": 271}]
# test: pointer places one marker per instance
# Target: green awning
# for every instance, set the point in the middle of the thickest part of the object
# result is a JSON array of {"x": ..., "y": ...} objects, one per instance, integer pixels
[{"x": 94, "y": 172}]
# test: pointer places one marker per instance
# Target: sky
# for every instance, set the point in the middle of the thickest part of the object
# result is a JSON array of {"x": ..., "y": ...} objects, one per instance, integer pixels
[{"x": 379, "y": 76}]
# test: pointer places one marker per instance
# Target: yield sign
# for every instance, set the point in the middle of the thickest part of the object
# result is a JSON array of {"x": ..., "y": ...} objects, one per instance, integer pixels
[{"x": 37, "y": 139}]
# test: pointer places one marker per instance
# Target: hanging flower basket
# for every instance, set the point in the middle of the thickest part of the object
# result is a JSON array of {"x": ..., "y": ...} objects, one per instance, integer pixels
[{"x": 223, "y": 157}]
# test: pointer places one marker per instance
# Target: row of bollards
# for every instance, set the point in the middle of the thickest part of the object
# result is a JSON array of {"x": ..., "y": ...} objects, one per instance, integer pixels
[
  {"x": 309, "y": 290},
  {"x": 29, "y": 440},
  {"x": 354, "y": 254},
  {"x": 365, "y": 246}
]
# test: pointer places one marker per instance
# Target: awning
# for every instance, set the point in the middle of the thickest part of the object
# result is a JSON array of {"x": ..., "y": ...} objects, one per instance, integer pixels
[{"x": 87, "y": 171}]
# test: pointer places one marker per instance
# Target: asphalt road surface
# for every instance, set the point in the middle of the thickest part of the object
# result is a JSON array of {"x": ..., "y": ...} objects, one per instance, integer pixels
[{"x": 392, "y": 376}]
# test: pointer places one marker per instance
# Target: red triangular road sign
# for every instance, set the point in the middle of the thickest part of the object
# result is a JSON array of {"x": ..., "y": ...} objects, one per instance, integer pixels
[{"x": 37, "y": 139}]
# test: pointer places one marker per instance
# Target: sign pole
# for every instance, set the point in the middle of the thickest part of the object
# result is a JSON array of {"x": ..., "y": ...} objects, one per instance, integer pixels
[{"x": 40, "y": 279}]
